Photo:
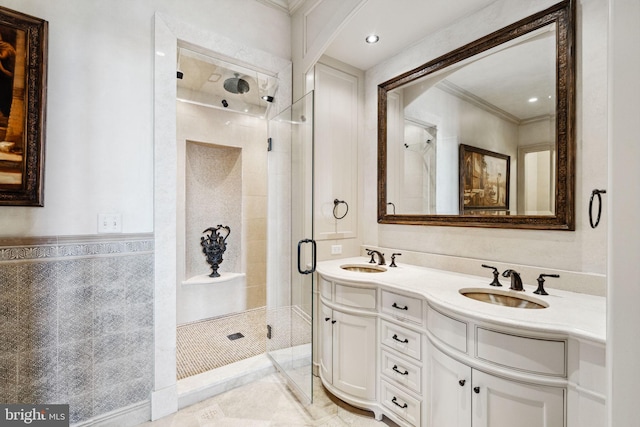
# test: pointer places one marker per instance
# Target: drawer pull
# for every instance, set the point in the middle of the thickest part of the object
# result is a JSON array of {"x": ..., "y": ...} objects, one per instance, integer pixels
[
  {"x": 395, "y": 402},
  {"x": 462, "y": 382},
  {"x": 395, "y": 368},
  {"x": 476, "y": 390},
  {"x": 404, "y": 341},
  {"x": 394, "y": 305}
]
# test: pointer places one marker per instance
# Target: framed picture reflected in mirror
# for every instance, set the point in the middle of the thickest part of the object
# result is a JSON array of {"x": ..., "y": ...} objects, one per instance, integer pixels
[{"x": 484, "y": 180}]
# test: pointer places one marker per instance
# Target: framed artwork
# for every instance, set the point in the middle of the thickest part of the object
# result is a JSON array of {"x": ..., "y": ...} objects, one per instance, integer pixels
[
  {"x": 484, "y": 180},
  {"x": 23, "y": 84}
]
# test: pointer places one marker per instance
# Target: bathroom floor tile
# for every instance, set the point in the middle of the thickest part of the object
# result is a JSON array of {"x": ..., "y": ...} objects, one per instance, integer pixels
[{"x": 269, "y": 403}]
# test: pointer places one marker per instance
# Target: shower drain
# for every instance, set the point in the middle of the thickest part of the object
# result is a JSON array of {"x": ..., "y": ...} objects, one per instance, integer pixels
[{"x": 235, "y": 336}]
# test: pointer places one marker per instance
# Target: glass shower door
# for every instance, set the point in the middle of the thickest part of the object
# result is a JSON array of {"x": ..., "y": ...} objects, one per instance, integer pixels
[{"x": 290, "y": 245}]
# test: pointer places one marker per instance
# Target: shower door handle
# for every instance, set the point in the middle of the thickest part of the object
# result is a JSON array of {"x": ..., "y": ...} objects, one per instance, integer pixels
[{"x": 313, "y": 256}]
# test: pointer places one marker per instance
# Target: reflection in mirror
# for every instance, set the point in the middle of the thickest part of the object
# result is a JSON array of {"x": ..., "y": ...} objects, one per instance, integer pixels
[
  {"x": 413, "y": 165},
  {"x": 502, "y": 100},
  {"x": 536, "y": 186},
  {"x": 507, "y": 102}
]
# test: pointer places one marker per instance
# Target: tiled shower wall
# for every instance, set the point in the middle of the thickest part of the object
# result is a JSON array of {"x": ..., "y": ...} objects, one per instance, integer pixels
[{"x": 76, "y": 319}]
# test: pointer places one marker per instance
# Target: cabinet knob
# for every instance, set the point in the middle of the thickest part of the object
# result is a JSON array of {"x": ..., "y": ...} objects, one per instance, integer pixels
[
  {"x": 326, "y": 319},
  {"x": 333, "y": 322},
  {"x": 462, "y": 382},
  {"x": 476, "y": 390}
]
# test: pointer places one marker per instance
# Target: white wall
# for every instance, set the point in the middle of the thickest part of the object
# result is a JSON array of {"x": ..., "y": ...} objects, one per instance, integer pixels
[
  {"x": 623, "y": 340},
  {"x": 583, "y": 250},
  {"x": 99, "y": 146}
]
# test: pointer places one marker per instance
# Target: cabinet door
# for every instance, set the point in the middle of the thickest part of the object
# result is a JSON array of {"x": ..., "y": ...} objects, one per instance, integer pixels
[
  {"x": 354, "y": 355},
  {"x": 448, "y": 391},
  {"x": 326, "y": 343},
  {"x": 498, "y": 402}
]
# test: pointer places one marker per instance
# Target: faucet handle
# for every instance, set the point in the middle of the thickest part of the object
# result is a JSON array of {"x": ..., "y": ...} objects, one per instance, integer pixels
[
  {"x": 371, "y": 253},
  {"x": 540, "y": 290},
  {"x": 393, "y": 259},
  {"x": 496, "y": 274}
]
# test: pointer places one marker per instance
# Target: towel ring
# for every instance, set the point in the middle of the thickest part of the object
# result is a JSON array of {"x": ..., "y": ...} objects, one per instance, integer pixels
[
  {"x": 595, "y": 193},
  {"x": 337, "y": 202}
]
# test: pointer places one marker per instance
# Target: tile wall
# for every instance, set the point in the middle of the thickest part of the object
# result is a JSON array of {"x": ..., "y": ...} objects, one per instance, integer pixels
[{"x": 76, "y": 318}]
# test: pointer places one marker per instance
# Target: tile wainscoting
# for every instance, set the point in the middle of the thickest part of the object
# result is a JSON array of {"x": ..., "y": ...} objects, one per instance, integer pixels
[{"x": 76, "y": 317}]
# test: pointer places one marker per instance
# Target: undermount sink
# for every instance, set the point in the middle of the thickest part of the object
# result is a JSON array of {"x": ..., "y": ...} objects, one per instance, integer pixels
[
  {"x": 363, "y": 268},
  {"x": 504, "y": 298}
]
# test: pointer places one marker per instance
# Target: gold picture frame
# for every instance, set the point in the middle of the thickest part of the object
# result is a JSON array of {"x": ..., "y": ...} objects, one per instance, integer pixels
[{"x": 23, "y": 84}]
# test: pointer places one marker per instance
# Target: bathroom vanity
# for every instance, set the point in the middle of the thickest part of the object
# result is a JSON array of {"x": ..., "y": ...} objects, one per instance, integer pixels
[{"x": 405, "y": 342}]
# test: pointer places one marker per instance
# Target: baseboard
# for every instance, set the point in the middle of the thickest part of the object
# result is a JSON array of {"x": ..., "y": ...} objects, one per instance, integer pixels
[{"x": 128, "y": 416}]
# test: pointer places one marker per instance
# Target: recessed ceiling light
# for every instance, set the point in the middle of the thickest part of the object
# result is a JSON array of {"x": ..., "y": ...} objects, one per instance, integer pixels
[
  {"x": 534, "y": 99},
  {"x": 373, "y": 38}
]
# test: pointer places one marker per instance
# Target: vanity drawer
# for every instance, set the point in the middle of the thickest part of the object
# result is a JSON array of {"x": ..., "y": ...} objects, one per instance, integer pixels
[
  {"x": 402, "y": 307},
  {"x": 402, "y": 340},
  {"x": 353, "y": 296},
  {"x": 536, "y": 355},
  {"x": 401, "y": 403},
  {"x": 402, "y": 372},
  {"x": 450, "y": 331}
]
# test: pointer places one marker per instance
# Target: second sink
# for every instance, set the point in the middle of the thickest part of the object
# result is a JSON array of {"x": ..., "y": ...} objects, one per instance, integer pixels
[
  {"x": 504, "y": 298},
  {"x": 363, "y": 268}
]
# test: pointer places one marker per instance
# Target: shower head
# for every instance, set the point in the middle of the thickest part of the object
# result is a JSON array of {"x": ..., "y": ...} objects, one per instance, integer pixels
[{"x": 236, "y": 84}]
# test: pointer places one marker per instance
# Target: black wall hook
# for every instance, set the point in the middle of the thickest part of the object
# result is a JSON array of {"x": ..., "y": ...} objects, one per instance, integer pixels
[{"x": 595, "y": 193}]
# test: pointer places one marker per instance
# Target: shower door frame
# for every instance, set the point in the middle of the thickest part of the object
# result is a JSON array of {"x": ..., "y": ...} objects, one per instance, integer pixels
[{"x": 291, "y": 250}]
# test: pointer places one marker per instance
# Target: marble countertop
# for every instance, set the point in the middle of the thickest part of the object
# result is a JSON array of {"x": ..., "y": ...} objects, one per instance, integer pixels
[{"x": 578, "y": 315}]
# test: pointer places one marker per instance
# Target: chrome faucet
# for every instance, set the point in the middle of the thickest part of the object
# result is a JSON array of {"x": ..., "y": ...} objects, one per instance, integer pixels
[
  {"x": 516, "y": 281},
  {"x": 373, "y": 253}
]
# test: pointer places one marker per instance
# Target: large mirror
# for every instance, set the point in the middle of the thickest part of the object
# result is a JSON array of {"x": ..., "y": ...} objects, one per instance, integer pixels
[{"x": 484, "y": 135}]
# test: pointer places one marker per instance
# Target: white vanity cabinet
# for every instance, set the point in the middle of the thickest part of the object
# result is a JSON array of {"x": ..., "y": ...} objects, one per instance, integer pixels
[
  {"x": 483, "y": 376},
  {"x": 347, "y": 345},
  {"x": 408, "y": 346},
  {"x": 459, "y": 396}
]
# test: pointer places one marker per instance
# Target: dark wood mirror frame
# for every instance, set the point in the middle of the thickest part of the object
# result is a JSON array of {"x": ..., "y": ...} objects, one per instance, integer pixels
[{"x": 563, "y": 15}]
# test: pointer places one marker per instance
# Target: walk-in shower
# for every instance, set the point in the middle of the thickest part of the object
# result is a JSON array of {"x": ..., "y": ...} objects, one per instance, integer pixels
[
  {"x": 223, "y": 161},
  {"x": 222, "y": 180}
]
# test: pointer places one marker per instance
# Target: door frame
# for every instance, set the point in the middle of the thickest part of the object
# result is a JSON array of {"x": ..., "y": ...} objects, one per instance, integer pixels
[{"x": 168, "y": 32}]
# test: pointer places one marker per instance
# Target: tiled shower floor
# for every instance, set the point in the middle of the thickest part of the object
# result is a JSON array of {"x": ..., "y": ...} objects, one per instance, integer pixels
[{"x": 205, "y": 345}]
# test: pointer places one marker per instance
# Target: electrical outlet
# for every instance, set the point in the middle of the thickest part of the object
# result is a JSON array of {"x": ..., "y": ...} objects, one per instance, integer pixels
[
  {"x": 110, "y": 223},
  {"x": 336, "y": 249}
]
